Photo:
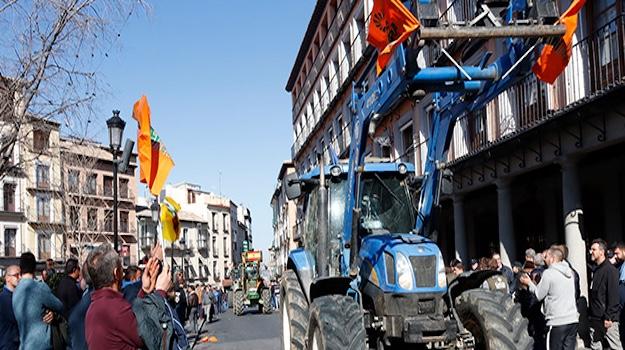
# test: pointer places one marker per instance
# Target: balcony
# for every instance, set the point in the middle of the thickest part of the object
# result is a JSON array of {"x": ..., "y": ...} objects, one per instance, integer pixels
[{"x": 597, "y": 67}]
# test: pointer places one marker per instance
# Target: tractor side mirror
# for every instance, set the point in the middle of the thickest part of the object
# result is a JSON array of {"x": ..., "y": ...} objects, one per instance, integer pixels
[{"x": 293, "y": 186}]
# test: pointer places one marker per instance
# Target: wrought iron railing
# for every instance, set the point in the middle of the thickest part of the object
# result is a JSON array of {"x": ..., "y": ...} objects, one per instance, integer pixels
[{"x": 597, "y": 65}]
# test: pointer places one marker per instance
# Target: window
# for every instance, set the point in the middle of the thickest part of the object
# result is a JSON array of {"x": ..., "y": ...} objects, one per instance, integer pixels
[
  {"x": 477, "y": 128},
  {"x": 226, "y": 252},
  {"x": 10, "y": 235},
  {"x": 226, "y": 223},
  {"x": 41, "y": 140},
  {"x": 73, "y": 180},
  {"x": 214, "y": 246},
  {"x": 91, "y": 186},
  {"x": 108, "y": 186},
  {"x": 190, "y": 196},
  {"x": 74, "y": 218},
  {"x": 346, "y": 61},
  {"x": 146, "y": 236},
  {"x": 407, "y": 138},
  {"x": 43, "y": 245},
  {"x": 92, "y": 219},
  {"x": 43, "y": 208},
  {"x": 9, "y": 197},
  {"x": 108, "y": 221},
  {"x": 214, "y": 269},
  {"x": 202, "y": 239},
  {"x": 123, "y": 188},
  {"x": 339, "y": 133},
  {"x": 43, "y": 176},
  {"x": 123, "y": 221},
  {"x": 226, "y": 272},
  {"x": 214, "y": 222}
]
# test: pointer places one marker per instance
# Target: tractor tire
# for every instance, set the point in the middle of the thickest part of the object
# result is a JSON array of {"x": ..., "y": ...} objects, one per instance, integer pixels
[
  {"x": 237, "y": 305},
  {"x": 294, "y": 310},
  {"x": 266, "y": 306},
  {"x": 494, "y": 320},
  {"x": 336, "y": 323}
]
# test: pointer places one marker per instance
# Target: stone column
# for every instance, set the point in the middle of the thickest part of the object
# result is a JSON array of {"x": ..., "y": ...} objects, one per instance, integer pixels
[
  {"x": 460, "y": 238},
  {"x": 572, "y": 211},
  {"x": 507, "y": 246}
]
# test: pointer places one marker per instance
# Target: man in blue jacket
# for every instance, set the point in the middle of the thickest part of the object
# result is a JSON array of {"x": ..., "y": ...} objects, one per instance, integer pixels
[
  {"x": 31, "y": 300},
  {"x": 9, "y": 334}
]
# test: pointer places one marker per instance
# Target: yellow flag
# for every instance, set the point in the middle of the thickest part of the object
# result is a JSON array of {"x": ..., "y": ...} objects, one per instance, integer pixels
[{"x": 169, "y": 219}]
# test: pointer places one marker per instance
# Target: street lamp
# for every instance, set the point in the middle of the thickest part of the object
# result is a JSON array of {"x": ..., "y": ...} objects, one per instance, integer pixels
[
  {"x": 155, "y": 210},
  {"x": 116, "y": 126}
]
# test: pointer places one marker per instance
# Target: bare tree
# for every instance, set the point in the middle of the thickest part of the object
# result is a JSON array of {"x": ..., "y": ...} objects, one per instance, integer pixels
[{"x": 50, "y": 51}]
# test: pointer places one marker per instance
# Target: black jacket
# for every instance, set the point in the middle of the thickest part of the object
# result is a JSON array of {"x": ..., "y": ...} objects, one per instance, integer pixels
[
  {"x": 69, "y": 293},
  {"x": 604, "y": 293}
]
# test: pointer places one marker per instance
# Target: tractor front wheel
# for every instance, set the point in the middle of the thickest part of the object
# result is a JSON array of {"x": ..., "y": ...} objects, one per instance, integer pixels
[
  {"x": 237, "y": 305},
  {"x": 494, "y": 320},
  {"x": 336, "y": 323},
  {"x": 294, "y": 310},
  {"x": 266, "y": 306}
]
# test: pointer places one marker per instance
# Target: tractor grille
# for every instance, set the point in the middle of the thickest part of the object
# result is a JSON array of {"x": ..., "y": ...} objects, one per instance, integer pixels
[{"x": 424, "y": 270}]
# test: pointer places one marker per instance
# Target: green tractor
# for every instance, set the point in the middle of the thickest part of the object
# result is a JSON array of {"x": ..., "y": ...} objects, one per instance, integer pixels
[{"x": 250, "y": 289}]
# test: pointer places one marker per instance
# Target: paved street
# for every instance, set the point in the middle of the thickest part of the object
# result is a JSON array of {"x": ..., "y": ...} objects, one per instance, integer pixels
[{"x": 249, "y": 331}]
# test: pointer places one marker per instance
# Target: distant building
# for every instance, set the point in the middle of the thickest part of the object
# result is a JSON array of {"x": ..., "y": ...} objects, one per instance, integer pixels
[
  {"x": 213, "y": 230},
  {"x": 284, "y": 222}
]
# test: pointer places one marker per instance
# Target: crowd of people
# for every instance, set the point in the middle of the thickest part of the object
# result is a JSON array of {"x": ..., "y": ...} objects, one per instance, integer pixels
[
  {"x": 547, "y": 287},
  {"x": 94, "y": 306}
]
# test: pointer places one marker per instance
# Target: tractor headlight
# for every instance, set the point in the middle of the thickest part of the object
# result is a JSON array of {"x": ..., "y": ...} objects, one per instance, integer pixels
[
  {"x": 405, "y": 275},
  {"x": 336, "y": 171},
  {"x": 442, "y": 276},
  {"x": 402, "y": 168}
]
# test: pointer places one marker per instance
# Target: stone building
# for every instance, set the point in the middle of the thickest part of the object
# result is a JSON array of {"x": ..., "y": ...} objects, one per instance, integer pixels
[
  {"x": 539, "y": 164},
  {"x": 284, "y": 221}
]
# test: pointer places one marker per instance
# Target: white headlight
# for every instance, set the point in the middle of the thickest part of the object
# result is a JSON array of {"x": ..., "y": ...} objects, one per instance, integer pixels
[
  {"x": 442, "y": 276},
  {"x": 405, "y": 275},
  {"x": 402, "y": 168},
  {"x": 336, "y": 171}
]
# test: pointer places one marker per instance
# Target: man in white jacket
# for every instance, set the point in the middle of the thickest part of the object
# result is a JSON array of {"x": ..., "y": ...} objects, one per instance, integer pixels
[{"x": 557, "y": 289}]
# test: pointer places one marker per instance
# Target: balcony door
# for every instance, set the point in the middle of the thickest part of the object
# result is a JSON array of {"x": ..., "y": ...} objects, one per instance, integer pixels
[{"x": 606, "y": 42}]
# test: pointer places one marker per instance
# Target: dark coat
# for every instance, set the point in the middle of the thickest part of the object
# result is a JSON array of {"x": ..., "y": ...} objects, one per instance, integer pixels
[
  {"x": 9, "y": 333},
  {"x": 76, "y": 322},
  {"x": 68, "y": 293},
  {"x": 604, "y": 294},
  {"x": 154, "y": 320}
]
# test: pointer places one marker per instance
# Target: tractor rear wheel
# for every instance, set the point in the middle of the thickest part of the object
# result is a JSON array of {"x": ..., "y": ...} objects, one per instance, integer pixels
[
  {"x": 494, "y": 320},
  {"x": 237, "y": 305},
  {"x": 265, "y": 296},
  {"x": 294, "y": 310},
  {"x": 336, "y": 323}
]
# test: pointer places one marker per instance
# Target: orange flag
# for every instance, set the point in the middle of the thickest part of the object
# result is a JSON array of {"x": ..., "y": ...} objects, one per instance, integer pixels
[
  {"x": 155, "y": 163},
  {"x": 553, "y": 59},
  {"x": 391, "y": 24}
]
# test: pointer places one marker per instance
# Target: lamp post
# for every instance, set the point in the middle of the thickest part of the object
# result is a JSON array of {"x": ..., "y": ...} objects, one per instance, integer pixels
[
  {"x": 116, "y": 126},
  {"x": 155, "y": 210}
]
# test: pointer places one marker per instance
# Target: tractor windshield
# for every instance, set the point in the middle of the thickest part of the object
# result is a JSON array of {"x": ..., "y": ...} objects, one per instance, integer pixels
[
  {"x": 386, "y": 205},
  {"x": 251, "y": 272}
]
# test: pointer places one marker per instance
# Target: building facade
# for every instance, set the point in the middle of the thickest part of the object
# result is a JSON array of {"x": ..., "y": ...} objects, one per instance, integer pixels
[
  {"x": 539, "y": 164},
  {"x": 87, "y": 200},
  {"x": 284, "y": 222}
]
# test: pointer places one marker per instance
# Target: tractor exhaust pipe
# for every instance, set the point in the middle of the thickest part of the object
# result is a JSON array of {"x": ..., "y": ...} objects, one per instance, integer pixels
[{"x": 322, "y": 214}]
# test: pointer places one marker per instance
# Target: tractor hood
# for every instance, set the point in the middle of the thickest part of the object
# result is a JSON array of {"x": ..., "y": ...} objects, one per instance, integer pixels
[{"x": 402, "y": 263}]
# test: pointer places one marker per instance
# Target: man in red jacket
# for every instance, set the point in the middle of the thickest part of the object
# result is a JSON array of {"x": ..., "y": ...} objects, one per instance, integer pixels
[{"x": 110, "y": 322}]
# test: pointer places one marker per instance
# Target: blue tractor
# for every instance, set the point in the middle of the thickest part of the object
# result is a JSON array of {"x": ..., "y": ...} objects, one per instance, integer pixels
[{"x": 369, "y": 274}]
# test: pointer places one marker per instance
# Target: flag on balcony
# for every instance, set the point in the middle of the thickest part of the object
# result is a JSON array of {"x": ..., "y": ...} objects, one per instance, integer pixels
[
  {"x": 554, "y": 58},
  {"x": 154, "y": 161},
  {"x": 170, "y": 222},
  {"x": 391, "y": 23}
]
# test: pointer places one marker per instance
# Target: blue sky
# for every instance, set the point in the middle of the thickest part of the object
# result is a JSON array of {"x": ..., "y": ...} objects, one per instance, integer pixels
[{"x": 214, "y": 73}]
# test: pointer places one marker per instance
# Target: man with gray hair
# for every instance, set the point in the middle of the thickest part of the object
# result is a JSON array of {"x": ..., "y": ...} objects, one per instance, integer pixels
[
  {"x": 557, "y": 289},
  {"x": 110, "y": 322},
  {"x": 9, "y": 333}
]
